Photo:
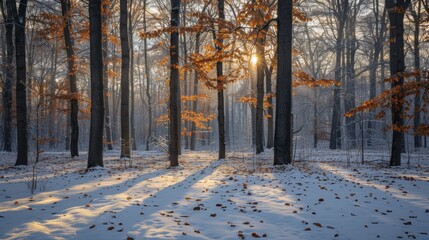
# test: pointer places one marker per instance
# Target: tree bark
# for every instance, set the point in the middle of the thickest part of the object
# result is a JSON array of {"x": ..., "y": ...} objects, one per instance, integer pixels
[
  {"x": 125, "y": 81},
  {"x": 335, "y": 139},
  {"x": 21, "y": 79},
  {"x": 195, "y": 103},
  {"x": 260, "y": 74},
  {"x": 174, "y": 103},
  {"x": 148, "y": 83},
  {"x": 220, "y": 83},
  {"x": 283, "y": 125},
  {"x": 416, "y": 48},
  {"x": 396, "y": 10},
  {"x": 349, "y": 99},
  {"x": 105, "y": 39},
  {"x": 8, "y": 19},
  {"x": 270, "y": 127},
  {"x": 74, "y": 105},
  {"x": 378, "y": 46},
  {"x": 132, "y": 90},
  {"x": 95, "y": 152}
]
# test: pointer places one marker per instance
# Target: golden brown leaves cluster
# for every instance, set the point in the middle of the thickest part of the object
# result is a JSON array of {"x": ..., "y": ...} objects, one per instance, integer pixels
[{"x": 400, "y": 96}]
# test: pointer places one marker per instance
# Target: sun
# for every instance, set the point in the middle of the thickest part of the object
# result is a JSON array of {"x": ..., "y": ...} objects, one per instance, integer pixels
[{"x": 254, "y": 59}]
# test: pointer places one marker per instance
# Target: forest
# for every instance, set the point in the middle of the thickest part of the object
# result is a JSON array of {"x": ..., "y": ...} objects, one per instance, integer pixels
[{"x": 240, "y": 113}]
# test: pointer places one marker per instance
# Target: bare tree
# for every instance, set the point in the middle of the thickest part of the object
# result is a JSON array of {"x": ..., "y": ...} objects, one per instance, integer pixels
[
  {"x": 95, "y": 153},
  {"x": 220, "y": 82},
  {"x": 174, "y": 103},
  {"x": 71, "y": 72},
  {"x": 19, "y": 16},
  {"x": 283, "y": 125},
  {"x": 396, "y": 11},
  {"x": 340, "y": 10},
  {"x": 125, "y": 81},
  {"x": 8, "y": 19}
]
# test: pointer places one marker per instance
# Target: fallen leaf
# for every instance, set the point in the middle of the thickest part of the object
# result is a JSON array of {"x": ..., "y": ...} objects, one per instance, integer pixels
[{"x": 317, "y": 224}]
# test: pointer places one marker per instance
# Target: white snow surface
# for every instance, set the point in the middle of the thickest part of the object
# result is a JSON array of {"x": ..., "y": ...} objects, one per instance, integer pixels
[{"x": 322, "y": 196}]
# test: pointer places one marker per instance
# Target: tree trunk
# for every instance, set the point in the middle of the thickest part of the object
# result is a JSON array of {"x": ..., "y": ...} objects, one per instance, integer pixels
[
  {"x": 335, "y": 139},
  {"x": 349, "y": 99},
  {"x": 125, "y": 81},
  {"x": 148, "y": 83},
  {"x": 378, "y": 46},
  {"x": 132, "y": 90},
  {"x": 283, "y": 125},
  {"x": 74, "y": 105},
  {"x": 105, "y": 39},
  {"x": 259, "y": 120},
  {"x": 270, "y": 128},
  {"x": 195, "y": 103},
  {"x": 417, "y": 99},
  {"x": 95, "y": 152},
  {"x": 7, "y": 92},
  {"x": 220, "y": 83},
  {"x": 396, "y": 11},
  {"x": 21, "y": 80},
  {"x": 174, "y": 103}
]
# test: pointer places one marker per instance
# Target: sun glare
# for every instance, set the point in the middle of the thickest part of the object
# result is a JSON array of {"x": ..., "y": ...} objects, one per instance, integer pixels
[{"x": 254, "y": 59}]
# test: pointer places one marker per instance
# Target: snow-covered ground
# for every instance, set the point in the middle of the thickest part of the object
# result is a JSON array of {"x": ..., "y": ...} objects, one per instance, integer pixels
[{"x": 325, "y": 195}]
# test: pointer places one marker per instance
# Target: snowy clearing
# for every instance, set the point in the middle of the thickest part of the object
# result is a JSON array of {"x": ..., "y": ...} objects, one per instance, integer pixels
[{"x": 321, "y": 197}]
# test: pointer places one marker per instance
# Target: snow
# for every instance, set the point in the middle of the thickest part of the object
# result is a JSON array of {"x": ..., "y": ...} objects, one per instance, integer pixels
[{"x": 325, "y": 195}]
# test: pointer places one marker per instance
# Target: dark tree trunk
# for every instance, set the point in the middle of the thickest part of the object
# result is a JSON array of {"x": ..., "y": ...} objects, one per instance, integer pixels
[
  {"x": 195, "y": 103},
  {"x": 259, "y": 120},
  {"x": 108, "y": 127},
  {"x": 125, "y": 81},
  {"x": 396, "y": 10},
  {"x": 220, "y": 83},
  {"x": 95, "y": 152},
  {"x": 270, "y": 127},
  {"x": 283, "y": 125},
  {"x": 148, "y": 83},
  {"x": 349, "y": 99},
  {"x": 174, "y": 103},
  {"x": 260, "y": 76},
  {"x": 132, "y": 90},
  {"x": 341, "y": 14},
  {"x": 417, "y": 99},
  {"x": 378, "y": 46},
  {"x": 21, "y": 80},
  {"x": 186, "y": 92},
  {"x": 7, "y": 92},
  {"x": 74, "y": 105}
]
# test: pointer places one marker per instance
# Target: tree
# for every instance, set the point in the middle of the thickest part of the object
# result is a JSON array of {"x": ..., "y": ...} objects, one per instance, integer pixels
[
  {"x": 220, "y": 82},
  {"x": 375, "y": 57},
  {"x": 396, "y": 10},
  {"x": 71, "y": 72},
  {"x": 283, "y": 124},
  {"x": 95, "y": 152},
  {"x": 193, "y": 142},
  {"x": 125, "y": 81},
  {"x": 148, "y": 81},
  {"x": 174, "y": 103},
  {"x": 105, "y": 36},
  {"x": 416, "y": 14},
  {"x": 340, "y": 9},
  {"x": 19, "y": 16},
  {"x": 8, "y": 19}
]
